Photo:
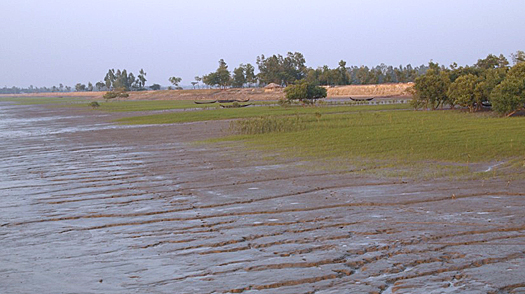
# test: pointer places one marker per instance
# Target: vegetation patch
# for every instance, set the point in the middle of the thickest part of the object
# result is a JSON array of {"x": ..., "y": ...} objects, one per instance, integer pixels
[
  {"x": 248, "y": 112},
  {"x": 43, "y": 100},
  {"x": 395, "y": 140}
]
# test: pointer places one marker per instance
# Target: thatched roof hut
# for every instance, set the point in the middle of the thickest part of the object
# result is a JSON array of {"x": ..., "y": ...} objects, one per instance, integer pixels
[{"x": 272, "y": 86}]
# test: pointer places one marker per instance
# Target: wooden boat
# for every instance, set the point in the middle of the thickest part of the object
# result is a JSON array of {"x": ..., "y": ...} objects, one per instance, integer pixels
[
  {"x": 363, "y": 99},
  {"x": 233, "y": 100},
  {"x": 236, "y": 106},
  {"x": 205, "y": 102}
]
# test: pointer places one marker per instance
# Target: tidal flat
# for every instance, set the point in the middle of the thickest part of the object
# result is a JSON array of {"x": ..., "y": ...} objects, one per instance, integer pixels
[{"x": 92, "y": 206}]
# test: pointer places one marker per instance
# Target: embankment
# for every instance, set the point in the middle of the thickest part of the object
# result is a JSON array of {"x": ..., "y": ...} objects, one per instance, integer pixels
[{"x": 380, "y": 90}]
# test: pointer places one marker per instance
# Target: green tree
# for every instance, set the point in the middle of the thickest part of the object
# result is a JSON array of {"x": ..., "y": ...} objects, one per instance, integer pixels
[
  {"x": 492, "y": 61},
  {"x": 488, "y": 81},
  {"x": 343, "y": 75},
  {"x": 250, "y": 74},
  {"x": 304, "y": 91},
  {"x": 432, "y": 87},
  {"x": 363, "y": 75},
  {"x": 109, "y": 79},
  {"x": 221, "y": 77},
  {"x": 89, "y": 87},
  {"x": 100, "y": 86},
  {"x": 281, "y": 70},
  {"x": 142, "y": 78},
  {"x": 463, "y": 92},
  {"x": 239, "y": 76},
  {"x": 509, "y": 96},
  {"x": 518, "y": 57},
  {"x": 175, "y": 81},
  {"x": 210, "y": 79},
  {"x": 80, "y": 87}
]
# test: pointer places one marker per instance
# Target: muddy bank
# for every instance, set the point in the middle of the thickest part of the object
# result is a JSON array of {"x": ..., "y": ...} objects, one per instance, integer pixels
[{"x": 91, "y": 207}]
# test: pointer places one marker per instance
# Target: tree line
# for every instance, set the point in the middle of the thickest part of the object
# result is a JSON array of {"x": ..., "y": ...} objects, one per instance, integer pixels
[
  {"x": 287, "y": 70},
  {"x": 291, "y": 69},
  {"x": 491, "y": 81},
  {"x": 33, "y": 89}
]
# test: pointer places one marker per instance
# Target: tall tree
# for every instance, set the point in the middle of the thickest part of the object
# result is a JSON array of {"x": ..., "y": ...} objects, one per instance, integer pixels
[
  {"x": 492, "y": 61},
  {"x": 518, "y": 57},
  {"x": 250, "y": 74},
  {"x": 431, "y": 88},
  {"x": 239, "y": 76},
  {"x": 509, "y": 95},
  {"x": 175, "y": 81},
  {"x": 142, "y": 78},
  {"x": 344, "y": 76},
  {"x": 223, "y": 74},
  {"x": 80, "y": 87},
  {"x": 110, "y": 78},
  {"x": 282, "y": 70},
  {"x": 463, "y": 92},
  {"x": 100, "y": 86}
]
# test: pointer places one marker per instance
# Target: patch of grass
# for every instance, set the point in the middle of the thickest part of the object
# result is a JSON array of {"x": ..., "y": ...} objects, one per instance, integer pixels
[
  {"x": 149, "y": 105},
  {"x": 248, "y": 112},
  {"x": 397, "y": 141},
  {"x": 44, "y": 100},
  {"x": 156, "y": 105}
]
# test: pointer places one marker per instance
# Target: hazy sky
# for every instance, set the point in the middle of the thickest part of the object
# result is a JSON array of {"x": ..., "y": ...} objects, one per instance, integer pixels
[{"x": 47, "y": 42}]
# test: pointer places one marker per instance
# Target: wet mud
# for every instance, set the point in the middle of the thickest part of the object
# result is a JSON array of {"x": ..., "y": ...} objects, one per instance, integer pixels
[{"x": 88, "y": 206}]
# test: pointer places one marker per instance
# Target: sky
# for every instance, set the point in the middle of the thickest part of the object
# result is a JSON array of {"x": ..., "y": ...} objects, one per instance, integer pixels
[{"x": 47, "y": 42}]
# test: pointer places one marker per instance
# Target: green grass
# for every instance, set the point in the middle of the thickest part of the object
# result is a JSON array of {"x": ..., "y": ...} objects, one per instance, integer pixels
[
  {"x": 155, "y": 105},
  {"x": 148, "y": 105},
  {"x": 44, "y": 100},
  {"x": 235, "y": 113},
  {"x": 393, "y": 140}
]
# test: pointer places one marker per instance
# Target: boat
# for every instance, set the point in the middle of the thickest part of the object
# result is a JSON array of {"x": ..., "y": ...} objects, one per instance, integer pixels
[
  {"x": 233, "y": 100},
  {"x": 486, "y": 104},
  {"x": 363, "y": 99},
  {"x": 205, "y": 102},
  {"x": 236, "y": 106}
]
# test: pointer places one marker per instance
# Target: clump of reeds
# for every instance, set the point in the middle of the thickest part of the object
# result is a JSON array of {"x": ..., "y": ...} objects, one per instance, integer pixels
[{"x": 268, "y": 124}]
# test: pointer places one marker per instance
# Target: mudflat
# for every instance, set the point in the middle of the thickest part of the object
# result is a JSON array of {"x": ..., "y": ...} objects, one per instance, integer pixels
[{"x": 88, "y": 206}]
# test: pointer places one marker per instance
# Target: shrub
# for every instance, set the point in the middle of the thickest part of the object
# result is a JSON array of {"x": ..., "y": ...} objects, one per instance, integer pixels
[
  {"x": 110, "y": 95},
  {"x": 284, "y": 102},
  {"x": 263, "y": 125},
  {"x": 304, "y": 91},
  {"x": 115, "y": 94},
  {"x": 94, "y": 104}
]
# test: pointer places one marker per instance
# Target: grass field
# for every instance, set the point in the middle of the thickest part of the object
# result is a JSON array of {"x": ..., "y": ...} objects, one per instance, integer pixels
[
  {"x": 152, "y": 105},
  {"x": 235, "y": 113},
  {"x": 395, "y": 139},
  {"x": 148, "y": 105},
  {"x": 45, "y": 100}
]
